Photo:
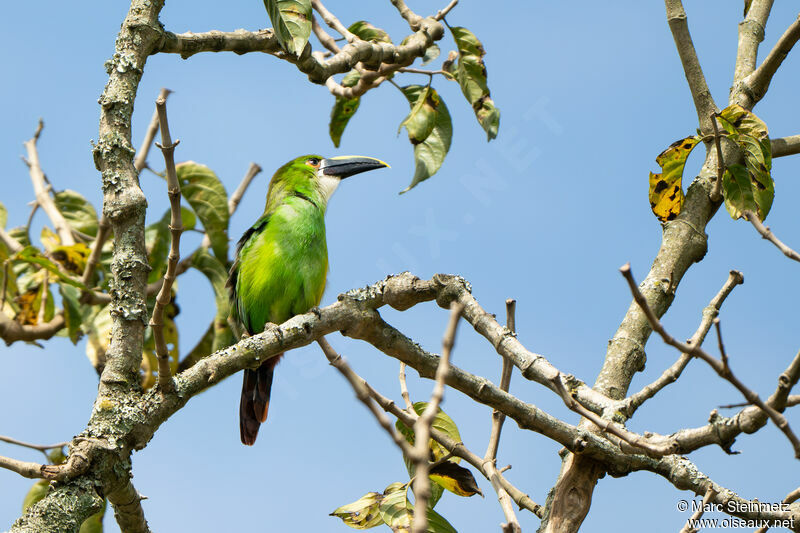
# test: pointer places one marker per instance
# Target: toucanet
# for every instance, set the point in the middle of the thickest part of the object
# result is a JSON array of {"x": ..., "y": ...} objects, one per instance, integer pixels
[{"x": 282, "y": 261}]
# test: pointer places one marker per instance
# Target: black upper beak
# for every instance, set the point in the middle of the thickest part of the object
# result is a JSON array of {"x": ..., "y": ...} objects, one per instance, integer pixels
[{"x": 345, "y": 166}]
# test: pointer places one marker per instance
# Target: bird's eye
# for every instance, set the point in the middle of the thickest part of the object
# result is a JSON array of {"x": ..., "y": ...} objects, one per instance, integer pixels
[{"x": 314, "y": 162}]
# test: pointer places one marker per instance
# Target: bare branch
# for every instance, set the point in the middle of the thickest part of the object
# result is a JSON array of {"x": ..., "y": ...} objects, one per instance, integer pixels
[
  {"x": 401, "y": 376},
  {"x": 324, "y": 37},
  {"x": 128, "y": 509},
  {"x": 165, "y": 383},
  {"x": 12, "y": 243},
  {"x": 672, "y": 373},
  {"x": 103, "y": 230},
  {"x": 76, "y": 464},
  {"x": 499, "y": 418},
  {"x": 758, "y": 82},
  {"x": 778, "y": 419},
  {"x": 239, "y": 42},
  {"x": 442, "y": 13},
  {"x": 40, "y": 447},
  {"x": 332, "y": 21},
  {"x": 12, "y": 331},
  {"x": 768, "y": 235},
  {"x": 751, "y": 33},
  {"x": 790, "y": 498},
  {"x": 42, "y": 192},
  {"x": 414, "y": 20},
  {"x": 422, "y": 427},
  {"x": 703, "y": 102},
  {"x": 688, "y": 528},
  {"x": 785, "y": 146}
]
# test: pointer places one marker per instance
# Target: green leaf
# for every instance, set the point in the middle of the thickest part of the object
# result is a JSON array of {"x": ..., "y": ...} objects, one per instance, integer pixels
[
  {"x": 738, "y": 191},
  {"x": 72, "y": 311},
  {"x": 78, "y": 212},
  {"x": 455, "y": 478},
  {"x": 367, "y": 32},
  {"x": 666, "y": 193},
  {"x": 291, "y": 20},
  {"x": 36, "y": 493},
  {"x": 431, "y": 53},
  {"x": 29, "y": 254},
  {"x": 471, "y": 75},
  {"x": 343, "y": 109},
  {"x": 207, "y": 196},
  {"x": 430, "y": 151},
  {"x": 750, "y": 133},
  {"x": 20, "y": 234},
  {"x": 3, "y": 215},
  {"x": 362, "y": 513},
  {"x": 441, "y": 422},
  {"x": 218, "y": 276}
]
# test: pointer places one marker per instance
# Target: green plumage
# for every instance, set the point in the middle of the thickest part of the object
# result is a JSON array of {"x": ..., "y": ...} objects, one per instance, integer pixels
[{"x": 282, "y": 262}]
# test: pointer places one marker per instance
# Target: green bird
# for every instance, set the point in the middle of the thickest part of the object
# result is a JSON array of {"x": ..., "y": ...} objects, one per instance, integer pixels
[{"x": 282, "y": 261}]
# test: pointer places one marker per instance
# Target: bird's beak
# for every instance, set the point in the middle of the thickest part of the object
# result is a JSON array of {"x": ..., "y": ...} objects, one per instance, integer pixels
[{"x": 349, "y": 165}]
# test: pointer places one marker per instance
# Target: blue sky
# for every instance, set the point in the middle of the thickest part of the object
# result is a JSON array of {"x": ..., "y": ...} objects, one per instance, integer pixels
[{"x": 546, "y": 213}]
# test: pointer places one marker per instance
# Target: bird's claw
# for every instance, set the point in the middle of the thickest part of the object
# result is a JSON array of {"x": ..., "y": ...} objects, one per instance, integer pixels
[{"x": 316, "y": 311}]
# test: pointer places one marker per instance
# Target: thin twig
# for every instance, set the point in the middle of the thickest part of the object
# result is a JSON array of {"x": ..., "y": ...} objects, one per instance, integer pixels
[
  {"x": 324, "y": 37},
  {"x": 671, "y": 374},
  {"x": 767, "y": 234},
  {"x": 42, "y": 192},
  {"x": 331, "y": 20},
  {"x": 165, "y": 383},
  {"x": 777, "y": 418},
  {"x": 103, "y": 230},
  {"x": 362, "y": 393},
  {"x": 13, "y": 244},
  {"x": 427, "y": 72},
  {"x": 790, "y": 498},
  {"x": 422, "y": 427},
  {"x": 723, "y": 355},
  {"x": 140, "y": 162},
  {"x": 414, "y": 20},
  {"x": 40, "y": 447},
  {"x": 716, "y": 192},
  {"x": 442, "y": 13},
  {"x": 689, "y": 528},
  {"x": 703, "y": 102},
  {"x": 401, "y": 376}
]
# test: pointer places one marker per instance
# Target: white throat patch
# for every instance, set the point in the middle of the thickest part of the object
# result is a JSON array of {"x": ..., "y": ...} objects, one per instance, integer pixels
[{"x": 327, "y": 184}]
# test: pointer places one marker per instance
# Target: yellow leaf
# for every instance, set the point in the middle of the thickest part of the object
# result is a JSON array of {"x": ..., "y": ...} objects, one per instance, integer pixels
[
  {"x": 362, "y": 513},
  {"x": 666, "y": 194}
]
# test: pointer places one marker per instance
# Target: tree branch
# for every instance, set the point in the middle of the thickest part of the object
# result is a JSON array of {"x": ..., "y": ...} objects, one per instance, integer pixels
[
  {"x": 128, "y": 510},
  {"x": 758, "y": 82},
  {"x": 175, "y": 228},
  {"x": 671, "y": 374},
  {"x": 785, "y": 146},
  {"x": 720, "y": 367},
  {"x": 422, "y": 427},
  {"x": 751, "y": 33},
  {"x": 43, "y": 197},
  {"x": 688, "y": 528},
  {"x": 332, "y": 21},
  {"x": 703, "y": 102},
  {"x": 140, "y": 161},
  {"x": 767, "y": 234}
]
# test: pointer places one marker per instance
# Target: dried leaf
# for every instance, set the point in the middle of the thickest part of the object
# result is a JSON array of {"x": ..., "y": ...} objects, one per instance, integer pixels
[{"x": 666, "y": 194}]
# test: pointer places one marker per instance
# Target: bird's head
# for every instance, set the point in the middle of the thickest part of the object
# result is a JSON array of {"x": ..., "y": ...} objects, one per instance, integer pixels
[{"x": 314, "y": 173}]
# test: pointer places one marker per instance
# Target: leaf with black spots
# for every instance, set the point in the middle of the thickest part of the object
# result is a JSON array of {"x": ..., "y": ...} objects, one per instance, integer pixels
[
  {"x": 207, "y": 196},
  {"x": 470, "y": 71},
  {"x": 455, "y": 478},
  {"x": 666, "y": 193},
  {"x": 291, "y": 21},
  {"x": 362, "y": 513},
  {"x": 430, "y": 130}
]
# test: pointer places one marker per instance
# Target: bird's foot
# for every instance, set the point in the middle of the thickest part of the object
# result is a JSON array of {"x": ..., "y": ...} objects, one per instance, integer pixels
[
  {"x": 275, "y": 329},
  {"x": 316, "y": 311}
]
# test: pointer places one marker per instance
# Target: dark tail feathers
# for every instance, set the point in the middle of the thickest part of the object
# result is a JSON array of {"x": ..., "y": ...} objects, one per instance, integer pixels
[{"x": 254, "y": 403}]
